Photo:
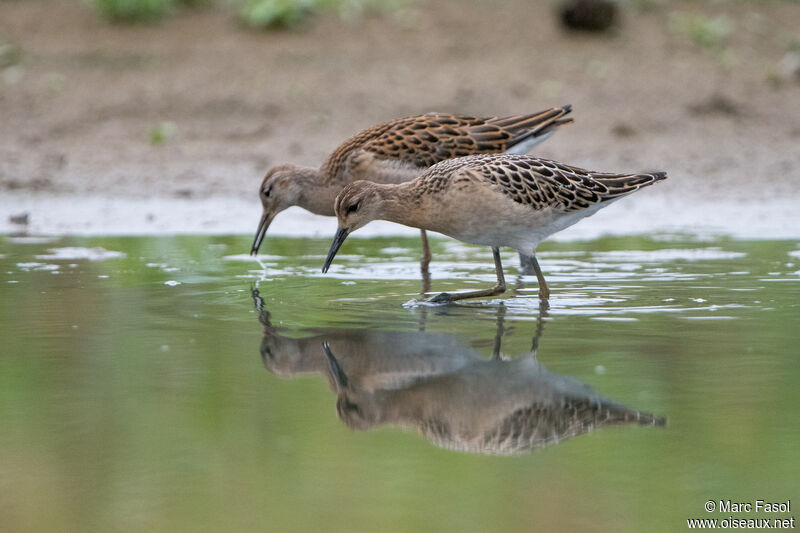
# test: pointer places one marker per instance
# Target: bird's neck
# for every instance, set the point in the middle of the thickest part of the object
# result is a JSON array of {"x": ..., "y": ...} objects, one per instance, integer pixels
[
  {"x": 315, "y": 195},
  {"x": 402, "y": 206}
]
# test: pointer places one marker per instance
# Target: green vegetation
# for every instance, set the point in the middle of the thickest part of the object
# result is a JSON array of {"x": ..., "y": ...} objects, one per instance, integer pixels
[
  {"x": 293, "y": 13},
  {"x": 254, "y": 13},
  {"x": 277, "y": 13},
  {"x": 644, "y": 5},
  {"x": 9, "y": 55},
  {"x": 161, "y": 132},
  {"x": 705, "y": 32},
  {"x": 133, "y": 10}
]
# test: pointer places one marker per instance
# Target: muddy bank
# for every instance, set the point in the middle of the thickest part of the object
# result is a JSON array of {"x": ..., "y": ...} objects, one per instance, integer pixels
[{"x": 151, "y": 129}]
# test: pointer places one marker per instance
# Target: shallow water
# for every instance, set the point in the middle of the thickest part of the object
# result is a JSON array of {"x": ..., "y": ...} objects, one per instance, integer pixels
[{"x": 134, "y": 394}]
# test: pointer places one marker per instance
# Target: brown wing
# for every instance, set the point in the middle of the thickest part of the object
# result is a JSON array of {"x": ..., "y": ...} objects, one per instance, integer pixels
[
  {"x": 542, "y": 424},
  {"x": 538, "y": 182},
  {"x": 422, "y": 141}
]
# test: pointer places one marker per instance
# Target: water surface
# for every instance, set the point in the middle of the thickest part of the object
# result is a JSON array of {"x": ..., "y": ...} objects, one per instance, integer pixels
[{"x": 143, "y": 387}]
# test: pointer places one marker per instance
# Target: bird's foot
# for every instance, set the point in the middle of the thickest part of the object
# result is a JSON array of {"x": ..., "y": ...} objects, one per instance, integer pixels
[{"x": 441, "y": 298}]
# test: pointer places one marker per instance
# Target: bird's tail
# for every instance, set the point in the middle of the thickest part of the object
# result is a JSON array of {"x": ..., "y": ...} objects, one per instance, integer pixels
[
  {"x": 623, "y": 184},
  {"x": 530, "y": 130}
]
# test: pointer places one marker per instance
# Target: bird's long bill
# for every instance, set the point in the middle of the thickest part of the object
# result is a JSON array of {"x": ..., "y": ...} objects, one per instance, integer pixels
[
  {"x": 339, "y": 377},
  {"x": 263, "y": 224},
  {"x": 341, "y": 235}
]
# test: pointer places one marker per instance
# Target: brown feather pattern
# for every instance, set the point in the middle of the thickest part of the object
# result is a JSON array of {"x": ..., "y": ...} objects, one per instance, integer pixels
[
  {"x": 537, "y": 426},
  {"x": 422, "y": 141},
  {"x": 533, "y": 181}
]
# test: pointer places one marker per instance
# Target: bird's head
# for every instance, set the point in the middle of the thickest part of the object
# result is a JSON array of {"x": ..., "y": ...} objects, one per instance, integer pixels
[
  {"x": 358, "y": 204},
  {"x": 280, "y": 189},
  {"x": 357, "y": 409}
]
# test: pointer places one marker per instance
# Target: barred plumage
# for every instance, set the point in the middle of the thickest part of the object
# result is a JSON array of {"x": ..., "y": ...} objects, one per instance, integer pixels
[
  {"x": 421, "y": 141},
  {"x": 396, "y": 152},
  {"x": 536, "y": 182},
  {"x": 494, "y": 200}
]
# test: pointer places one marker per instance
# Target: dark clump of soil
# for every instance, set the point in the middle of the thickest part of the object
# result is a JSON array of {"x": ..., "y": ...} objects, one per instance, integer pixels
[
  {"x": 589, "y": 15},
  {"x": 21, "y": 218},
  {"x": 622, "y": 129},
  {"x": 717, "y": 104}
]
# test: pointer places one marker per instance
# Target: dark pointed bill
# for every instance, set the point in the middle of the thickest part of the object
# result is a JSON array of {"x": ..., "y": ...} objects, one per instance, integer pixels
[
  {"x": 263, "y": 224},
  {"x": 339, "y": 377},
  {"x": 341, "y": 235}
]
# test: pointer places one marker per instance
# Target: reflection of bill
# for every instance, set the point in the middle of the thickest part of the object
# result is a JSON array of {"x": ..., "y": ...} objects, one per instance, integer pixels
[{"x": 445, "y": 389}]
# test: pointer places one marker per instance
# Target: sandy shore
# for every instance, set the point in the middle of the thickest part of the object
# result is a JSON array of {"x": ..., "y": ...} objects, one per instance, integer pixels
[{"x": 80, "y": 104}]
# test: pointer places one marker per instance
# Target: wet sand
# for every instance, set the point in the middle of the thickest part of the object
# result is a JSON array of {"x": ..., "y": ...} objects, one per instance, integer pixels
[{"x": 79, "y": 106}]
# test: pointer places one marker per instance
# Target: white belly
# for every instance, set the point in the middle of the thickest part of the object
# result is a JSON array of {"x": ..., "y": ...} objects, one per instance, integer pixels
[{"x": 513, "y": 225}]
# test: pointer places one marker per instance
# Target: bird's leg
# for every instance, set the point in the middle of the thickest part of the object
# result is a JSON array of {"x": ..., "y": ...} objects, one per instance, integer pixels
[
  {"x": 498, "y": 336},
  {"x": 544, "y": 290},
  {"x": 423, "y": 319},
  {"x": 426, "y": 251},
  {"x": 500, "y": 288},
  {"x": 526, "y": 263},
  {"x": 519, "y": 284},
  {"x": 424, "y": 262},
  {"x": 525, "y": 269},
  {"x": 258, "y": 305},
  {"x": 543, "y": 308}
]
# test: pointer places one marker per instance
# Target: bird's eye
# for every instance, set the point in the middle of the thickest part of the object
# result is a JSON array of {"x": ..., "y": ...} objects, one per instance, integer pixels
[
  {"x": 353, "y": 208},
  {"x": 268, "y": 192}
]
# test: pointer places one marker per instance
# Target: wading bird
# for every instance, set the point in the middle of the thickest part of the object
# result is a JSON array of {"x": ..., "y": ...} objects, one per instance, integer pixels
[
  {"x": 399, "y": 151},
  {"x": 493, "y": 200},
  {"x": 441, "y": 386}
]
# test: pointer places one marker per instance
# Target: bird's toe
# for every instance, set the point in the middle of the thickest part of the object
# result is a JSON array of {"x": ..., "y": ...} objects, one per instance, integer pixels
[{"x": 441, "y": 298}]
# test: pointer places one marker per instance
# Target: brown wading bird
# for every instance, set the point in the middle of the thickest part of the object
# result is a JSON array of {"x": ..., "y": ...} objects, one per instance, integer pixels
[
  {"x": 441, "y": 386},
  {"x": 493, "y": 200},
  {"x": 399, "y": 151},
  {"x": 492, "y": 407}
]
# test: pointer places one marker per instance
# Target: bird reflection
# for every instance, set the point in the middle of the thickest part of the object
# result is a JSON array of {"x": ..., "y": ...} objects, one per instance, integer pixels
[{"x": 440, "y": 386}]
